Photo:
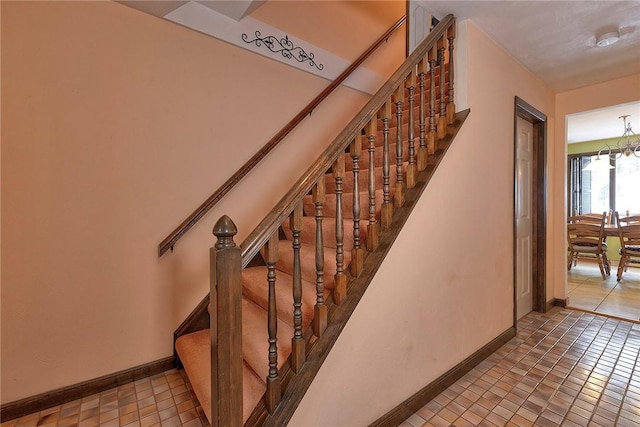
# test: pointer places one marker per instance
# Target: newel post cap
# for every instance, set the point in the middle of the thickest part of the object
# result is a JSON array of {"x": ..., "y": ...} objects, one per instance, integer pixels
[{"x": 224, "y": 230}]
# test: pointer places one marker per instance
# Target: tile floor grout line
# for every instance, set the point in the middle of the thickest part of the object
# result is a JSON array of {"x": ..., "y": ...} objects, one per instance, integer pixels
[
  {"x": 627, "y": 385},
  {"x": 599, "y": 357},
  {"x": 578, "y": 360},
  {"x": 605, "y": 297},
  {"x": 586, "y": 279}
]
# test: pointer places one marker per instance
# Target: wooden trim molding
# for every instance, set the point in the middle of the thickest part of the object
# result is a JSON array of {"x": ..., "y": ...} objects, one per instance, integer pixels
[
  {"x": 561, "y": 302},
  {"x": 403, "y": 411},
  {"x": 62, "y": 395},
  {"x": 297, "y": 385},
  {"x": 539, "y": 194}
]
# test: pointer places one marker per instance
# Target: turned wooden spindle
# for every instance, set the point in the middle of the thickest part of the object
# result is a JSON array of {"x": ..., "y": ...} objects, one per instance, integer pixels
[
  {"x": 274, "y": 389},
  {"x": 320, "y": 309},
  {"x": 357, "y": 253},
  {"x": 373, "y": 229},
  {"x": 297, "y": 342},
  {"x": 442, "y": 118},
  {"x": 387, "y": 208},
  {"x": 401, "y": 186},
  {"x": 431, "y": 136},
  {"x": 422, "y": 149},
  {"x": 340, "y": 291},
  {"x": 226, "y": 326},
  {"x": 451, "y": 107},
  {"x": 412, "y": 168}
]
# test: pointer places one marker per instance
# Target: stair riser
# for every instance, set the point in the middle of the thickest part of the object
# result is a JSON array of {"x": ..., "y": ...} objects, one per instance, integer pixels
[
  {"x": 363, "y": 179},
  {"x": 347, "y": 204},
  {"x": 308, "y": 233},
  {"x": 255, "y": 287},
  {"x": 378, "y": 157},
  {"x": 308, "y": 262}
]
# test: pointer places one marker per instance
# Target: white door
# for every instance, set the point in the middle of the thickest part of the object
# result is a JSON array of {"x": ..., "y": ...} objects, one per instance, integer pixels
[
  {"x": 524, "y": 221},
  {"x": 419, "y": 24}
]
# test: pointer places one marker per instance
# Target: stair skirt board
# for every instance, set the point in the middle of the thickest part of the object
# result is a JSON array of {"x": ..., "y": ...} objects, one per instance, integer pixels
[
  {"x": 255, "y": 302},
  {"x": 410, "y": 406}
]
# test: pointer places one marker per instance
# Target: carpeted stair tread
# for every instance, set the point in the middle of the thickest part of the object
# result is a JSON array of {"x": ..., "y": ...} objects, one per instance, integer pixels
[
  {"x": 255, "y": 288},
  {"x": 194, "y": 351},
  {"x": 308, "y": 262},
  {"x": 363, "y": 179},
  {"x": 308, "y": 233},
  {"x": 378, "y": 156},
  {"x": 255, "y": 338},
  {"x": 329, "y": 207}
]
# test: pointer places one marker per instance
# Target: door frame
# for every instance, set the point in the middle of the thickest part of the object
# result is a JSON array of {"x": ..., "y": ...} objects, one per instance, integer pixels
[{"x": 539, "y": 204}]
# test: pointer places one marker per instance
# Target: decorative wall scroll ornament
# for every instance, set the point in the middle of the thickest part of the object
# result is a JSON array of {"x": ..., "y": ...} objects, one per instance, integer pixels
[{"x": 283, "y": 46}]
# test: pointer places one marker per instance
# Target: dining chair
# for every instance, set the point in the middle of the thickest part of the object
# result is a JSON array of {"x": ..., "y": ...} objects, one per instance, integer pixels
[
  {"x": 585, "y": 234},
  {"x": 629, "y": 233},
  {"x": 594, "y": 218}
]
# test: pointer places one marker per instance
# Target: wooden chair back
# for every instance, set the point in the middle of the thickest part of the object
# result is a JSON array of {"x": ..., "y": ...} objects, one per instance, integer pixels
[
  {"x": 629, "y": 234},
  {"x": 586, "y": 231},
  {"x": 585, "y": 235}
]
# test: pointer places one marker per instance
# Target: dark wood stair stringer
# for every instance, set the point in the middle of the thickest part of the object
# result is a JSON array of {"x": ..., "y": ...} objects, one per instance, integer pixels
[
  {"x": 296, "y": 385},
  {"x": 330, "y": 165}
]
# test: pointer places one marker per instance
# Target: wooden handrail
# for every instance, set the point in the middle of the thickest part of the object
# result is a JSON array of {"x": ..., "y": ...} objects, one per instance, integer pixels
[
  {"x": 261, "y": 234},
  {"x": 227, "y": 260},
  {"x": 171, "y": 239}
]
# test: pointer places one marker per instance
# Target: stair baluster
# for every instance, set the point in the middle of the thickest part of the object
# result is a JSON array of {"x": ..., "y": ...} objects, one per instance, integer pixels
[
  {"x": 372, "y": 227},
  {"x": 357, "y": 253},
  {"x": 297, "y": 342},
  {"x": 442, "y": 119},
  {"x": 401, "y": 187},
  {"x": 226, "y": 326},
  {"x": 387, "y": 208},
  {"x": 274, "y": 388},
  {"x": 422, "y": 150},
  {"x": 451, "y": 106},
  {"x": 320, "y": 309},
  {"x": 340, "y": 291},
  {"x": 412, "y": 171},
  {"x": 431, "y": 144},
  {"x": 228, "y": 369}
]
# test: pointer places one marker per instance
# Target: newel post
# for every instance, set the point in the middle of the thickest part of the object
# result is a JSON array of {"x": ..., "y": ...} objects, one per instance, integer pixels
[{"x": 226, "y": 326}]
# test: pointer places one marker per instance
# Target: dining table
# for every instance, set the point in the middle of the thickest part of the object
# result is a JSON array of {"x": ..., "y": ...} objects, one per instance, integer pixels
[{"x": 611, "y": 230}]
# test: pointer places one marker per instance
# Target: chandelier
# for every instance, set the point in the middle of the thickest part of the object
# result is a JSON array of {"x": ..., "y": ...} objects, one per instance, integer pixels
[{"x": 627, "y": 144}]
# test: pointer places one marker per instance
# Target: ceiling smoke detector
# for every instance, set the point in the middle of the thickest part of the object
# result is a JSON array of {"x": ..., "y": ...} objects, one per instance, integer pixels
[{"x": 607, "y": 39}]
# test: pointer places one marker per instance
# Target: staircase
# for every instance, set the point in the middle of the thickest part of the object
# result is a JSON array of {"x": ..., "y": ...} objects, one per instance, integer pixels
[{"x": 305, "y": 263}]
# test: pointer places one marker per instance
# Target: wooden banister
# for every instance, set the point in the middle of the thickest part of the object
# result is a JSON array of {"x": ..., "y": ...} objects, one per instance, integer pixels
[
  {"x": 259, "y": 236},
  {"x": 226, "y": 327},
  {"x": 169, "y": 242},
  {"x": 287, "y": 380}
]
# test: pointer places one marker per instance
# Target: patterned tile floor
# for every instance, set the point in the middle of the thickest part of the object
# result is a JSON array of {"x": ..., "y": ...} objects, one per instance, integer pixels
[
  {"x": 587, "y": 291},
  {"x": 564, "y": 367},
  {"x": 165, "y": 400}
]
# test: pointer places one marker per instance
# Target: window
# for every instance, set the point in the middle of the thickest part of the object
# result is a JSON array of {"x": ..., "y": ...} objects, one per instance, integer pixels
[
  {"x": 603, "y": 189},
  {"x": 627, "y": 179}
]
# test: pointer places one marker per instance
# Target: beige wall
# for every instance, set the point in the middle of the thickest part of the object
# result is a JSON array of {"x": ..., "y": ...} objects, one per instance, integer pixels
[
  {"x": 432, "y": 305},
  {"x": 115, "y": 126},
  {"x": 369, "y": 19},
  {"x": 592, "y": 97}
]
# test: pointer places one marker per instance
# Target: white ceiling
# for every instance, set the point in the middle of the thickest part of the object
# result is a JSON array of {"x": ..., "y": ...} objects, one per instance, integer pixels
[
  {"x": 556, "y": 40},
  {"x": 235, "y": 9},
  {"x": 602, "y": 123}
]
